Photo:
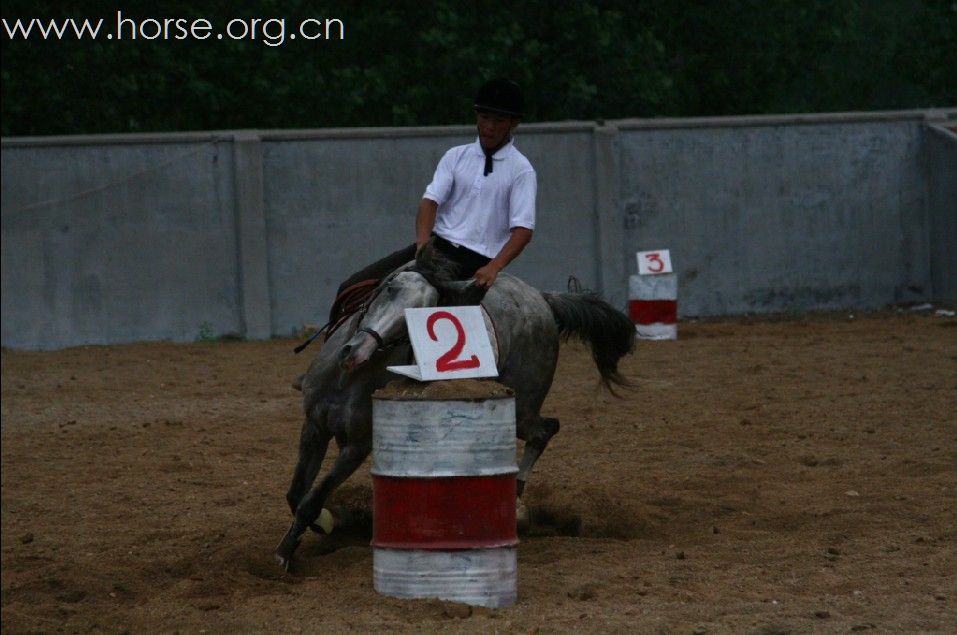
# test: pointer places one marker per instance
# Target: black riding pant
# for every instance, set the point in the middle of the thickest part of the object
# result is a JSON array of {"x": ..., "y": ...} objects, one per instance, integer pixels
[
  {"x": 380, "y": 268},
  {"x": 468, "y": 261}
]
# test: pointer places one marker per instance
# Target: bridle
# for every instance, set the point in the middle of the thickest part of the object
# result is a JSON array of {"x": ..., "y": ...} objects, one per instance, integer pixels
[
  {"x": 374, "y": 334},
  {"x": 381, "y": 345}
]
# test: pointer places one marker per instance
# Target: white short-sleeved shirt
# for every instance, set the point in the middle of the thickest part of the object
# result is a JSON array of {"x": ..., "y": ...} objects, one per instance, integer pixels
[{"x": 478, "y": 211}]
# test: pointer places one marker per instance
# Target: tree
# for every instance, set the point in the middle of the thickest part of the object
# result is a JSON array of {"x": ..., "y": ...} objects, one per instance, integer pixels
[{"x": 416, "y": 63}]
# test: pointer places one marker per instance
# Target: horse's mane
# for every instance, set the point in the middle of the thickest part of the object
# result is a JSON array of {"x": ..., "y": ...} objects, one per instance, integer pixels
[{"x": 435, "y": 266}]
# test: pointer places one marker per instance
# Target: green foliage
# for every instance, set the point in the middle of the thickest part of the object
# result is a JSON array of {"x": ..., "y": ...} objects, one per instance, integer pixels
[{"x": 418, "y": 63}]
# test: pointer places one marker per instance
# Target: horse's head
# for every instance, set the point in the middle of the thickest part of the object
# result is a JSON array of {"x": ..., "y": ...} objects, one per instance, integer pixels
[{"x": 382, "y": 325}]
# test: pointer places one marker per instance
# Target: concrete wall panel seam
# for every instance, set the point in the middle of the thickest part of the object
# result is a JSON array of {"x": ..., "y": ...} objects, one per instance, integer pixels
[
  {"x": 252, "y": 249},
  {"x": 940, "y": 168},
  {"x": 609, "y": 246}
]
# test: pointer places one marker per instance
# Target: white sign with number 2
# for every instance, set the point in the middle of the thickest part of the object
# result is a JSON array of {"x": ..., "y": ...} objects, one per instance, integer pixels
[{"x": 449, "y": 343}]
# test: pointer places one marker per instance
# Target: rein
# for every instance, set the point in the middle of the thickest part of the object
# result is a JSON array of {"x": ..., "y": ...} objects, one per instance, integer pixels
[
  {"x": 350, "y": 307},
  {"x": 352, "y": 300},
  {"x": 346, "y": 304},
  {"x": 364, "y": 308}
]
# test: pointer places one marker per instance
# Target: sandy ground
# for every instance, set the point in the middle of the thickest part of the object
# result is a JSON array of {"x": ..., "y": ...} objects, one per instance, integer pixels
[{"x": 784, "y": 476}]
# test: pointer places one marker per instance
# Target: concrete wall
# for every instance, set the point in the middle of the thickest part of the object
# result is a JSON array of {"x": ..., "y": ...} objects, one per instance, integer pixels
[
  {"x": 941, "y": 162},
  {"x": 141, "y": 237},
  {"x": 108, "y": 242},
  {"x": 770, "y": 215}
]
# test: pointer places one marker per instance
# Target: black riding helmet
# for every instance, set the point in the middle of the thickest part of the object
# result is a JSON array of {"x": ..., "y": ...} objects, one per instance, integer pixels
[{"x": 502, "y": 96}]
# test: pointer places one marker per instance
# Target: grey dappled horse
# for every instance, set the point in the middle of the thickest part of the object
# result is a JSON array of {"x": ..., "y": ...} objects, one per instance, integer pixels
[{"x": 351, "y": 365}]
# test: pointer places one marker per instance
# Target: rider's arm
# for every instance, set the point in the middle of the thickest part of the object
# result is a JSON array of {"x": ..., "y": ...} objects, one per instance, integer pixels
[
  {"x": 520, "y": 237},
  {"x": 425, "y": 221}
]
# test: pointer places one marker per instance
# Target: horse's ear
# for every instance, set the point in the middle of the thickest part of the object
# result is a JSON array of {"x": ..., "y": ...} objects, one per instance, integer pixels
[{"x": 461, "y": 293}]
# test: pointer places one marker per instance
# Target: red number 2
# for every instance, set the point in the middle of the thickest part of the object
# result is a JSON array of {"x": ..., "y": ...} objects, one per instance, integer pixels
[
  {"x": 659, "y": 263},
  {"x": 449, "y": 361}
]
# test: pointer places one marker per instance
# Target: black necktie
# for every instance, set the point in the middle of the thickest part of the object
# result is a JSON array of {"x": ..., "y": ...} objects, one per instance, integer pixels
[{"x": 488, "y": 162}]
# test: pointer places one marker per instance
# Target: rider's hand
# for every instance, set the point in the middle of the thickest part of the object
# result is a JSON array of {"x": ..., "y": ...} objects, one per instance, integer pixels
[{"x": 485, "y": 276}]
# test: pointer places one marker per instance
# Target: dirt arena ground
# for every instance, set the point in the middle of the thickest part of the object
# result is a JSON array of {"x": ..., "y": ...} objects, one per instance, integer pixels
[{"x": 767, "y": 476}]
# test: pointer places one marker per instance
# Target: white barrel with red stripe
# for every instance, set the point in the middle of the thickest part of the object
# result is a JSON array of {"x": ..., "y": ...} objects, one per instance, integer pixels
[
  {"x": 443, "y": 490},
  {"x": 653, "y": 306}
]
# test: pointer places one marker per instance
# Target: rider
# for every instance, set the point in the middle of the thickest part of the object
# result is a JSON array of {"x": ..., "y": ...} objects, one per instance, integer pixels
[{"x": 479, "y": 209}]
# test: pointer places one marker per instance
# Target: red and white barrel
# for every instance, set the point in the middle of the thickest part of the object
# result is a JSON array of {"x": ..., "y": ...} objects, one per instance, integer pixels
[
  {"x": 443, "y": 496},
  {"x": 653, "y": 306}
]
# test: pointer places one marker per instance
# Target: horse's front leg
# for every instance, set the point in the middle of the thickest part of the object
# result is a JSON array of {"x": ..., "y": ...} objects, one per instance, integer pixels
[
  {"x": 350, "y": 458},
  {"x": 313, "y": 443},
  {"x": 536, "y": 432}
]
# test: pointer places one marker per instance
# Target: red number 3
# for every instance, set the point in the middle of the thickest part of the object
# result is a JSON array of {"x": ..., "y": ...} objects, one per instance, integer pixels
[
  {"x": 658, "y": 263},
  {"x": 449, "y": 361}
]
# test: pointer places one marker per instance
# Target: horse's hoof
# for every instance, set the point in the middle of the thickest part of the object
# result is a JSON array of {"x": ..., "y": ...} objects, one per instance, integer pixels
[
  {"x": 283, "y": 562},
  {"x": 286, "y": 548}
]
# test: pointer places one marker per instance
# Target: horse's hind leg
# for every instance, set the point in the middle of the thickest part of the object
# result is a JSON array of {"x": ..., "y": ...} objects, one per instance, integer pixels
[
  {"x": 350, "y": 458},
  {"x": 536, "y": 432},
  {"x": 313, "y": 443}
]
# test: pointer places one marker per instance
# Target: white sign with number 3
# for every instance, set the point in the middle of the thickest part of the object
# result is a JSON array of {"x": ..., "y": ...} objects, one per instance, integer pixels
[
  {"x": 652, "y": 262},
  {"x": 449, "y": 343}
]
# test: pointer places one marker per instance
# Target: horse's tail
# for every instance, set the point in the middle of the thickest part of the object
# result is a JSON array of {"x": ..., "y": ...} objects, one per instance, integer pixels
[{"x": 591, "y": 319}]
